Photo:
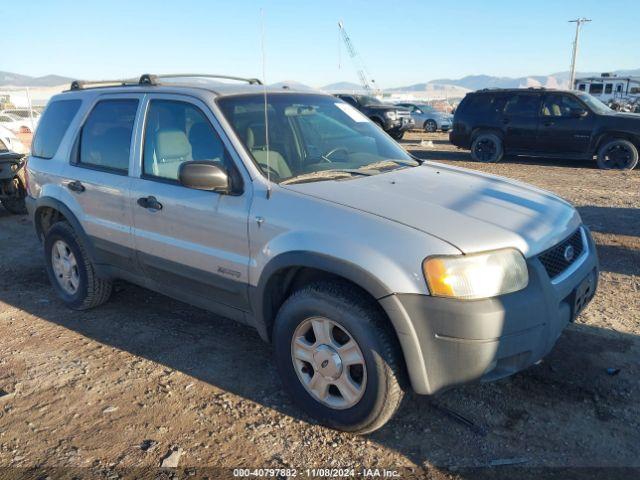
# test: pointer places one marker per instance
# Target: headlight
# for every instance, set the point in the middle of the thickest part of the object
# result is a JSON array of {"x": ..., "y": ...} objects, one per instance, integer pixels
[
  {"x": 480, "y": 275},
  {"x": 391, "y": 115}
]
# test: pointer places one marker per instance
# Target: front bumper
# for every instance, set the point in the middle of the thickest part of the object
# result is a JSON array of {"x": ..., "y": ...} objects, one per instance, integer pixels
[
  {"x": 401, "y": 124},
  {"x": 448, "y": 342}
]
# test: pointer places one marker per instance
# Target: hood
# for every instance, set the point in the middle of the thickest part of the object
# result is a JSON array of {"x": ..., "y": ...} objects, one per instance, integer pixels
[
  {"x": 385, "y": 108},
  {"x": 470, "y": 210}
]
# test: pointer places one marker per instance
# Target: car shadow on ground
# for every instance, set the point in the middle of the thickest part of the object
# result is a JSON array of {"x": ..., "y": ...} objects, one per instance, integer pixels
[
  {"x": 569, "y": 398},
  {"x": 599, "y": 219}
]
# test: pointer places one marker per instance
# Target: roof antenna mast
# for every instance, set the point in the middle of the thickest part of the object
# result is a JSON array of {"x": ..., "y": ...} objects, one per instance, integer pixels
[{"x": 266, "y": 115}]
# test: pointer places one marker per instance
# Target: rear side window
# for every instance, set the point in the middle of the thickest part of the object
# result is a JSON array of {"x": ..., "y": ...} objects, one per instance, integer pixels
[
  {"x": 52, "y": 127},
  {"x": 523, "y": 105},
  {"x": 476, "y": 103},
  {"x": 105, "y": 139}
]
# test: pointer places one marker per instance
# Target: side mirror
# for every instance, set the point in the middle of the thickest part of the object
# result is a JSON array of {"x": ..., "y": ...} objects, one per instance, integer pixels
[
  {"x": 578, "y": 112},
  {"x": 204, "y": 175},
  {"x": 418, "y": 111}
]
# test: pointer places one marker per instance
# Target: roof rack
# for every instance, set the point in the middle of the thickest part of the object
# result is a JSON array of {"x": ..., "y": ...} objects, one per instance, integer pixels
[
  {"x": 150, "y": 79},
  {"x": 82, "y": 84}
]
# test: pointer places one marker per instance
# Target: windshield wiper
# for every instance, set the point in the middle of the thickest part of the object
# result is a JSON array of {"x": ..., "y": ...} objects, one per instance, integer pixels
[
  {"x": 386, "y": 165},
  {"x": 324, "y": 175}
]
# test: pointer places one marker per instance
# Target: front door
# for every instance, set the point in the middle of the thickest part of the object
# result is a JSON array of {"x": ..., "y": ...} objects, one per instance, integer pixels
[
  {"x": 563, "y": 128},
  {"x": 520, "y": 122},
  {"x": 192, "y": 244}
]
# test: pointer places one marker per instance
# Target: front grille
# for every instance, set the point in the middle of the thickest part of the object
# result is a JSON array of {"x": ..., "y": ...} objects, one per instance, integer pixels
[{"x": 554, "y": 260}]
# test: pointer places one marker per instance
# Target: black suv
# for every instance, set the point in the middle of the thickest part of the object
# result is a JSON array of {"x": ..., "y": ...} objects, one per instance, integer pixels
[
  {"x": 392, "y": 119},
  {"x": 551, "y": 123}
]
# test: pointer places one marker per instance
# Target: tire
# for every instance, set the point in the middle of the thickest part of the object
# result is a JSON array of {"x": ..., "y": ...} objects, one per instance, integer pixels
[
  {"x": 17, "y": 205},
  {"x": 396, "y": 134},
  {"x": 618, "y": 154},
  {"x": 430, "y": 126},
  {"x": 91, "y": 290},
  {"x": 380, "y": 369},
  {"x": 487, "y": 148}
]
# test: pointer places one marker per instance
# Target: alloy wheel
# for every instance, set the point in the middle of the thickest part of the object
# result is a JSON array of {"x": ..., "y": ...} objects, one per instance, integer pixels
[
  {"x": 618, "y": 156},
  {"x": 65, "y": 267},
  {"x": 329, "y": 363},
  {"x": 485, "y": 150}
]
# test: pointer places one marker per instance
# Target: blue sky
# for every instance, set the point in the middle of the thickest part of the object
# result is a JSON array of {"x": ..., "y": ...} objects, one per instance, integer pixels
[{"x": 401, "y": 42}]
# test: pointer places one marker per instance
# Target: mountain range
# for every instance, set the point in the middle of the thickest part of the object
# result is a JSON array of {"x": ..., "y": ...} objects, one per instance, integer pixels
[{"x": 461, "y": 85}]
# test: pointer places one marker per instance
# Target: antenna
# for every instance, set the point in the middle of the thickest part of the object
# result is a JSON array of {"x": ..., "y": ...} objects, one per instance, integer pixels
[{"x": 266, "y": 115}]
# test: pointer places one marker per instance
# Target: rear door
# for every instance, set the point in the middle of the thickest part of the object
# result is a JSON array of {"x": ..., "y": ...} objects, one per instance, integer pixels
[
  {"x": 520, "y": 122},
  {"x": 562, "y": 130},
  {"x": 192, "y": 244},
  {"x": 98, "y": 178}
]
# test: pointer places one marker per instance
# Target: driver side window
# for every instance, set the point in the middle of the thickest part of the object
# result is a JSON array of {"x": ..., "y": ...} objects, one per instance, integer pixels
[
  {"x": 177, "y": 132},
  {"x": 560, "y": 106}
]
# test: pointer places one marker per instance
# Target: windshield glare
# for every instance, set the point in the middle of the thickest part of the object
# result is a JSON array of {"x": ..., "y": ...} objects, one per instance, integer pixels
[
  {"x": 594, "y": 104},
  {"x": 308, "y": 133}
]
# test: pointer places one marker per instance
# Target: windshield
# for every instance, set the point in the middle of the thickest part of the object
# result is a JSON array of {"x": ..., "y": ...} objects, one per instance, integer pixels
[
  {"x": 367, "y": 100},
  {"x": 593, "y": 103},
  {"x": 310, "y": 133}
]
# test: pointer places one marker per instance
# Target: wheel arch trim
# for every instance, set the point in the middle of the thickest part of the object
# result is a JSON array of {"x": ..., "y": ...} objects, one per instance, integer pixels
[{"x": 36, "y": 206}]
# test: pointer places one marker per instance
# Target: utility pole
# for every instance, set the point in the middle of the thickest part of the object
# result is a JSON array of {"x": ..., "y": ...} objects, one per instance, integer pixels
[{"x": 578, "y": 22}]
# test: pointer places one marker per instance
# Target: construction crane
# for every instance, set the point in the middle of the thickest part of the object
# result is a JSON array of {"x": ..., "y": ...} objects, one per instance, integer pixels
[{"x": 367, "y": 84}]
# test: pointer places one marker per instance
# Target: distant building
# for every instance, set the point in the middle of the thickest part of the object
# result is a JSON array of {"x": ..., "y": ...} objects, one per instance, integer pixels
[{"x": 609, "y": 87}]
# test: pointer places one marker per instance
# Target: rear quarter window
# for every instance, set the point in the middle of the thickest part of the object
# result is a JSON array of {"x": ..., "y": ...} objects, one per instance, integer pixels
[
  {"x": 54, "y": 123},
  {"x": 474, "y": 104}
]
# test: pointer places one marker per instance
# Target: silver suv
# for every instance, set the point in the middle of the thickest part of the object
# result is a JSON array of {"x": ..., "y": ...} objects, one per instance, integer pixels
[{"x": 369, "y": 270}]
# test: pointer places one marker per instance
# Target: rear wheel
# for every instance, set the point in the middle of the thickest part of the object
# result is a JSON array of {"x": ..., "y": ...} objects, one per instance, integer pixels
[
  {"x": 337, "y": 357},
  {"x": 487, "y": 148},
  {"x": 618, "y": 154},
  {"x": 430, "y": 126},
  {"x": 70, "y": 269}
]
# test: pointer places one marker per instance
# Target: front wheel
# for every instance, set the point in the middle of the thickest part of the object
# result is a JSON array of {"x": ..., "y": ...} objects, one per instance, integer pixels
[
  {"x": 487, "y": 148},
  {"x": 618, "y": 154},
  {"x": 337, "y": 357},
  {"x": 430, "y": 126}
]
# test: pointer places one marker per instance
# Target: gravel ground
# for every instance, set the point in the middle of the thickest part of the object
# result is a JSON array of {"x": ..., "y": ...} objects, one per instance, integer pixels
[{"x": 145, "y": 379}]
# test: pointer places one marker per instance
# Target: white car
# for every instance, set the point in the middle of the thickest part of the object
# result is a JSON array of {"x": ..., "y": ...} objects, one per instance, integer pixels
[
  {"x": 15, "y": 124},
  {"x": 26, "y": 121},
  {"x": 9, "y": 141}
]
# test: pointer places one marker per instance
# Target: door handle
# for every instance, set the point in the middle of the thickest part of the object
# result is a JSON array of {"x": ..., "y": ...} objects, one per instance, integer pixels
[
  {"x": 76, "y": 186},
  {"x": 150, "y": 203}
]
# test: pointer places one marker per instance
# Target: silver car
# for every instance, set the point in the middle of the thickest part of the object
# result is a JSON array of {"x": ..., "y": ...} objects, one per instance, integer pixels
[
  {"x": 369, "y": 271},
  {"x": 428, "y": 118}
]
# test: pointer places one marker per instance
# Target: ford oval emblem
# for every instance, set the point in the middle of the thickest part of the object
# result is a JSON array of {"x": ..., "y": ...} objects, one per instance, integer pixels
[{"x": 569, "y": 253}]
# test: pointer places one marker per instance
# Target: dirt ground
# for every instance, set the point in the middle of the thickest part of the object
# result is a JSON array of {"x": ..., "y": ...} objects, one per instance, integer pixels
[{"x": 144, "y": 376}]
